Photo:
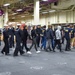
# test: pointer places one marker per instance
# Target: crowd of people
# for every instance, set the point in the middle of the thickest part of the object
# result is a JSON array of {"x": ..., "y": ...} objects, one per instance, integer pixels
[{"x": 42, "y": 38}]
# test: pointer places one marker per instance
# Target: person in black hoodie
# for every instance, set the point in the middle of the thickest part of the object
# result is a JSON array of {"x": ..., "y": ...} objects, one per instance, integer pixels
[
  {"x": 25, "y": 36},
  {"x": 5, "y": 39},
  {"x": 34, "y": 43},
  {"x": 38, "y": 32}
]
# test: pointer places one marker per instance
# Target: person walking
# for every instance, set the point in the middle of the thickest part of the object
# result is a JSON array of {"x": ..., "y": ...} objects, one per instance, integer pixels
[
  {"x": 25, "y": 37},
  {"x": 50, "y": 38},
  {"x": 5, "y": 39},
  {"x": 11, "y": 36},
  {"x": 38, "y": 32},
  {"x": 58, "y": 38},
  {"x": 18, "y": 42},
  {"x": 34, "y": 43}
]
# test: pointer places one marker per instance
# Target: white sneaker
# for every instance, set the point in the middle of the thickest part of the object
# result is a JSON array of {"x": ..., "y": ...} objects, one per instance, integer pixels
[
  {"x": 29, "y": 52},
  {"x": 13, "y": 49},
  {"x": 71, "y": 47},
  {"x": 38, "y": 51}
]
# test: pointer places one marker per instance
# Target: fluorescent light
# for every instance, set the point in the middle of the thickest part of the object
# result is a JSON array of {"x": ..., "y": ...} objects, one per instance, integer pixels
[
  {"x": 13, "y": 17},
  {"x": 52, "y": 10},
  {"x": 44, "y": 12},
  {"x": 14, "y": 13},
  {"x": 19, "y": 9},
  {"x": 7, "y": 4},
  {"x": 22, "y": 16},
  {"x": 44, "y": 0}
]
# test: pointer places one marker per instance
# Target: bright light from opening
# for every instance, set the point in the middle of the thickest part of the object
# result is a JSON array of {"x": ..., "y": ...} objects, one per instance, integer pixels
[{"x": 7, "y": 4}]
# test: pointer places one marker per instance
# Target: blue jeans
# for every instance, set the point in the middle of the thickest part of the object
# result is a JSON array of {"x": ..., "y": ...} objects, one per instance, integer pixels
[
  {"x": 52, "y": 43},
  {"x": 43, "y": 42}
]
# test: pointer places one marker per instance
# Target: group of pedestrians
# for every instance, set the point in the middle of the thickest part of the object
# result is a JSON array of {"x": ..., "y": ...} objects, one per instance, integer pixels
[{"x": 42, "y": 38}]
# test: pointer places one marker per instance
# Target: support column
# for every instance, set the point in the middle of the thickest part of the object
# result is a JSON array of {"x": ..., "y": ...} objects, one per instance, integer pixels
[
  {"x": 6, "y": 16},
  {"x": 1, "y": 21},
  {"x": 36, "y": 12}
]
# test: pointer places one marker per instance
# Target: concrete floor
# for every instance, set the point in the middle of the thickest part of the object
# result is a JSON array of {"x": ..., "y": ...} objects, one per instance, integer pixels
[{"x": 44, "y": 63}]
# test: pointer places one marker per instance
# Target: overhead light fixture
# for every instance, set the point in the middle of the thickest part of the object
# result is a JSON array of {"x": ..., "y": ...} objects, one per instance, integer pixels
[
  {"x": 13, "y": 17},
  {"x": 52, "y": 10},
  {"x": 14, "y": 13},
  {"x": 44, "y": 0},
  {"x": 19, "y": 9},
  {"x": 22, "y": 16},
  {"x": 44, "y": 12},
  {"x": 7, "y": 4}
]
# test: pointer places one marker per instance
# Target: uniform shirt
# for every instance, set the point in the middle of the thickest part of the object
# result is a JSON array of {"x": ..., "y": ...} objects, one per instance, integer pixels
[
  {"x": 18, "y": 36},
  {"x": 74, "y": 32},
  {"x": 11, "y": 31},
  {"x": 5, "y": 35},
  {"x": 67, "y": 31}
]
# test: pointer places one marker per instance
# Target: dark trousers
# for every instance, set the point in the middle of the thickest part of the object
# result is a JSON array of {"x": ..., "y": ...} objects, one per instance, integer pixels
[
  {"x": 6, "y": 47},
  {"x": 58, "y": 42},
  {"x": 38, "y": 40},
  {"x": 52, "y": 43},
  {"x": 34, "y": 44},
  {"x": 25, "y": 45},
  {"x": 11, "y": 42},
  {"x": 62, "y": 40},
  {"x": 18, "y": 49},
  {"x": 67, "y": 44},
  {"x": 0, "y": 42}
]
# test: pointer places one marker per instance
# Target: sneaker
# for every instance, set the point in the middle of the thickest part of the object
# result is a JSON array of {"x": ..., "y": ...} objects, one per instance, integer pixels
[
  {"x": 38, "y": 51},
  {"x": 13, "y": 49},
  {"x": 29, "y": 52},
  {"x": 71, "y": 47}
]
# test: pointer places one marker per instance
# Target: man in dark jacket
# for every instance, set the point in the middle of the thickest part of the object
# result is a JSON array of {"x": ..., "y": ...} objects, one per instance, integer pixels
[
  {"x": 33, "y": 34},
  {"x": 18, "y": 42},
  {"x": 38, "y": 32},
  {"x": 50, "y": 38},
  {"x": 25, "y": 36},
  {"x": 11, "y": 36},
  {"x": 5, "y": 39}
]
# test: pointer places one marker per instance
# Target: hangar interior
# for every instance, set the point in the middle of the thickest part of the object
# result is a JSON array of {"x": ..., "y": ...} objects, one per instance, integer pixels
[{"x": 50, "y": 11}]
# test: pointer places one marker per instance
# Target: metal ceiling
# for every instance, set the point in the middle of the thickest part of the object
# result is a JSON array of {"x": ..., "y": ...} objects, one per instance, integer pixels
[{"x": 27, "y": 6}]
